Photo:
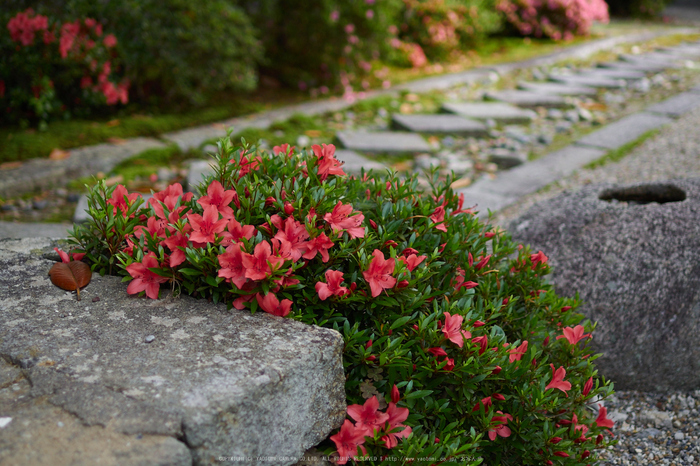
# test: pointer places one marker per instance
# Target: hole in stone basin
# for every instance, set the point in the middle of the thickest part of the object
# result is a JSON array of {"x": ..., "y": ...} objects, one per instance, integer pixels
[{"x": 644, "y": 194}]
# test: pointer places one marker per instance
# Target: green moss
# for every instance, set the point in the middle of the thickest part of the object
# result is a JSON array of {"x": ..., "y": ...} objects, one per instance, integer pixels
[{"x": 623, "y": 151}]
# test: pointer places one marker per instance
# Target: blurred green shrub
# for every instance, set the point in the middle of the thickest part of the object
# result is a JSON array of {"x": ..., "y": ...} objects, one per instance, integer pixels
[{"x": 637, "y": 8}]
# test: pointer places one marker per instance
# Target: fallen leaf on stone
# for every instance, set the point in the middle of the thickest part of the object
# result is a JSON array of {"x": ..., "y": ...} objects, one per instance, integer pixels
[
  {"x": 313, "y": 133},
  {"x": 10, "y": 165},
  {"x": 116, "y": 141},
  {"x": 114, "y": 180},
  {"x": 70, "y": 276},
  {"x": 461, "y": 183},
  {"x": 594, "y": 106},
  {"x": 58, "y": 154},
  {"x": 112, "y": 123}
]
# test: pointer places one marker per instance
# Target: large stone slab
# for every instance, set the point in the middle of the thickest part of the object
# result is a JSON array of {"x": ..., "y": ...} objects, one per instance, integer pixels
[
  {"x": 34, "y": 230},
  {"x": 527, "y": 99},
  {"x": 677, "y": 105},
  {"x": 608, "y": 73},
  {"x": 224, "y": 382},
  {"x": 557, "y": 88},
  {"x": 658, "y": 58},
  {"x": 635, "y": 261},
  {"x": 646, "y": 67},
  {"x": 484, "y": 202},
  {"x": 591, "y": 81},
  {"x": 440, "y": 124},
  {"x": 625, "y": 130},
  {"x": 383, "y": 142},
  {"x": 498, "y": 111}
]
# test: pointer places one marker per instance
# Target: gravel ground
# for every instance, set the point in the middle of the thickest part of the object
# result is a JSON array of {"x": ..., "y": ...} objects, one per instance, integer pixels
[{"x": 652, "y": 428}]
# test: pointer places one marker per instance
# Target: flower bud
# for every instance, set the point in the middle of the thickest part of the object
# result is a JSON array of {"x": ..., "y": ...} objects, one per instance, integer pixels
[
  {"x": 395, "y": 395},
  {"x": 498, "y": 396},
  {"x": 585, "y": 454},
  {"x": 288, "y": 208},
  {"x": 391, "y": 243},
  {"x": 496, "y": 371},
  {"x": 546, "y": 341},
  {"x": 270, "y": 201},
  {"x": 368, "y": 344},
  {"x": 565, "y": 308},
  {"x": 587, "y": 386},
  {"x": 371, "y": 357},
  {"x": 373, "y": 223},
  {"x": 478, "y": 324},
  {"x": 402, "y": 284},
  {"x": 599, "y": 439},
  {"x": 555, "y": 440},
  {"x": 505, "y": 301},
  {"x": 415, "y": 327}
]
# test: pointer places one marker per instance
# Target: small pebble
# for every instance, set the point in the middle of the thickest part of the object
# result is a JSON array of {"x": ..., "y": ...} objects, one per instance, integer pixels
[
  {"x": 60, "y": 424},
  {"x": 150, "y": 338}
]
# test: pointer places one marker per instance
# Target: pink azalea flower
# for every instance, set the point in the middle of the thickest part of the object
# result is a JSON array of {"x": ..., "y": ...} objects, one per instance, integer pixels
[
  {"x": 483, "y": 343},
  {"x": 236, "y": 231},
  {"x": 272, "y": 305},
  {"x": 499, "y": 426},
  {"x": 121, "y": 199},
  {"x": 232, "y": 268},
  {"x": 175, "y": 242},
  {"x": 332, "y": 286},
  {"x": 453, "y": 329},
  {"x": 602, "y": 420},
  {"x": 295, "y": 233},
  {"x": 378, "y": 275},
  {"x": 367, "y": 415},
  {"x": 144, "y": 279},
  {"x": 438, "y": 217},
  {"x": 558, "y": 380},
  {"x": 76, "y": 256},
  {"x": 261, "y": 264},
  {"x": 205, "y": 228},
  {"x": 218, "y": 197},
  {"x": 321, "y": 244},
  {"x": 396, "y": 418},
  {"x": 327, "y": 163},
  {"x": 412, "y": 261},
  {"x": 538, "y": 258},
  {"x": 574, "y": 335},
  {"x": 348, "y": 440},
  {"x": 516, "y": 354},
  {"x": 341, "y": 218}
]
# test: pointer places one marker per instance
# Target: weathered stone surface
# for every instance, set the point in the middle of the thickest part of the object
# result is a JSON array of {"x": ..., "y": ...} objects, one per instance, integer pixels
[
  {"x": 527, "y": 99},
  {"x": 483, "y": 201},
  {"x": 637, "y": 270},
  {"x": 497, "y": 111},
  {"x": 647, "y": 67},
  {"x": 624, "y": 130},
  {"x": 592, "y": 81},
  {"x": 27, "y": 230},
  {"x": 353, "y": 163},
  {"x": 609, "y": 73},
  {"x": 199, "y": 169},
  {"x": 557, "y": 88},
  {"x": 440, "y": 124},
  {"x": 506, "y": 159},
  {"x": 226, "y": 382},
  {"x": 677, "y": 105},
  {"x": 394, "y": 142},
  {"x": 659, "y": 58}
]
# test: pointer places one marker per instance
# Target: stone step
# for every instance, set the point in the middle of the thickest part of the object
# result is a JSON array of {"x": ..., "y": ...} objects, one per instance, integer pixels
[
  {"x": 646, "y": 67},
  {"x": 34, "y": 230},
  {"x": 500, "y": 112},
  {"x": 592, "y": 81},
  {"x": 660, "y": 58},
  {"x": 527, "y": 99},
  {"x": 623, "y": 131},
  {"x": 440, "y": 124},
  {"x": 627, "y": 75},
  {"x": 383, "y": 142},
  {"x": 677, "y": 105},
  {"x": 353, "y": 163},
  {"x": 551, "y": 88}
]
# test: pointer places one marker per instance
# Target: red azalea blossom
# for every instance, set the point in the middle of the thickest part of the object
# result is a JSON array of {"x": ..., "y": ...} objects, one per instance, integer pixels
[
  {"x": 272, "y": 305},
  {"x": 348, "y": 440},
  {"x": 538, "y": 258},
  {"x": 327, "y": 163},
  {"x": 218, "y": 197},
  {"x": 574, "y": 335},
  {"x": 499, "y": 426},
  {"x": 285, "y": 149},
  {"x": 558, "y": 380},
  {"x": 321, "y": 244},
  {"x": 295, "y": 233},
  {"x": 517, "y": 353},
  {"x": 367, "y": 415},
  {"x": 174, "y": 243},
  {"x": 453, "y": 329},
  {"x": 341, "y": 218},
  {"x": 602, "y": 419},
  {"x": 450, "y": 364},
  {"x": 437, "y": 351},
  {"x": 482, "y": 263},
  {"x": 483, "y": 342},
  {"x": 236, "y": 231},
  {"x": 261, "y": 264},
  {"x": 378, "y": 275},
  {"x": 486, "y": 402},
  {"x": 438, "y": 217},
  {"x": 459, "y": 282},
  {"x": 396, "y": 417},
  {"x": 121, "y": 199},
  {"x": 144, "y": 279},
  {"x": 232, "y": 268},
  {"x": 412, "y": 261},
  {"x": 65, "y": 258},
  {"x": 332, "y": 286},
  {"x": 206, "y": 227}
]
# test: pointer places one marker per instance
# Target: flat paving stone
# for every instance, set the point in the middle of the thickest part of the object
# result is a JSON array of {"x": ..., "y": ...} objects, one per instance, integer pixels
[
  {"x": 635, "y": 66},
  {"x": 353, "y": 163},
  {"x": 441, "y": 123},
  {"x": 677, "y": 105},
  {"x": 500, "y": 112},
  {"x": 483, "y": 202},
  {"x": 557, "y": 88},
  {"x": 659, "y": 58},
  {"x": 199, "y": 169},
  {"x": 627, "y": 75},
  {"x": 688, "y": 53},
  {"x": 527, "y": 99},
  {"x": 34, "y": 230},
  {"x": 592, "y": 81},
  {"x": 383, "y": 142},
  {"x": 623, "y": 131}
]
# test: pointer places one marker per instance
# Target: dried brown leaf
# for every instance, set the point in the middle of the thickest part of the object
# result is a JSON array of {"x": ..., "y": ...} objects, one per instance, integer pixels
[
  {"x": 58, "y": 154},
  {"x": 70, "y": 276}
]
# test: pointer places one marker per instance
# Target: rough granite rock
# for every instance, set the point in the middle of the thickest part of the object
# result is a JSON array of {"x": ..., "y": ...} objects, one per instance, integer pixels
[
  {"x": 636, "y": 265},
  {"x": 213, "y": 383}
]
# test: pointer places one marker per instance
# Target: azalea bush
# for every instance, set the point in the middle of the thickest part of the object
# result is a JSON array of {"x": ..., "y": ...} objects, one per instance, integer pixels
[
  {"x": 556, "y": 19},
  {"x": 456, "y": 348},
  {"x": 51, "y": 69}
]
